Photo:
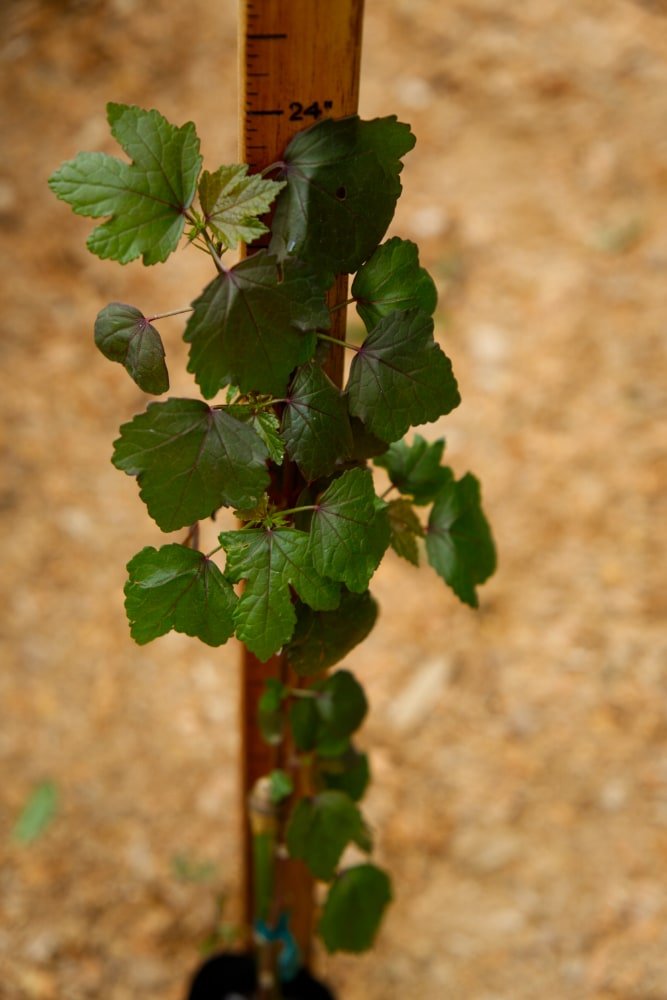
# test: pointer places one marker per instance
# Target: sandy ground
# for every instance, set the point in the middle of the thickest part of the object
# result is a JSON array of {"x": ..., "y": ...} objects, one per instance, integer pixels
[{"x": 520, "y": 753}]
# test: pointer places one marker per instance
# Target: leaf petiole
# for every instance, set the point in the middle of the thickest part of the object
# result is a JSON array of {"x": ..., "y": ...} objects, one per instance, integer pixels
[
  {"x": 342, "y": 305},
  {"x": 267, "y": 404},
  {"x": 172, "y": 312},
  {"x": 278, "y": 165},
  {"x": 253, "y": 405},
  {"x": 340, "y": 343},
  {"x": 303, "y": 693},
  {"x": 201, "y": 231},
  {"x": 214, "y": 253},
  {"x": 295, "y": 510}
]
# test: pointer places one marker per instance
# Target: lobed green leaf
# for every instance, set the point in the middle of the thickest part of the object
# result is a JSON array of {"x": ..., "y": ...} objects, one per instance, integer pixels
[
  {"x": 146, "y": 199},
  {"x": 415, "y": 469},
  {"x": 266, "y": 425},
  {"x": 405, "y": 529},
  {"x": 231, "y": 202},
  {"x": 190, "y": 460},
  {"x": 354, "y": 909},
  {"x": 348, "y": 534},
  {"x": 365, "y": 445},
  {"x": 341, "y": 705},
  {"x": 178, "y": 588},
  {"x": 319, "y": 830},
  {"x": 400, "y": 376},
  {"x": 326, "y": 718},
  {"x": 349, "y": 773},
  {"x": 322, "y": 638},
  {"x": 342, "y": 181},
  {"x": 315, "y": 425},
  {"x": 459, "y": 543},
  {"x": 392, "y": 280},
  {"x": 270, "y": 560},
  {"x": 252, "y": 325}
]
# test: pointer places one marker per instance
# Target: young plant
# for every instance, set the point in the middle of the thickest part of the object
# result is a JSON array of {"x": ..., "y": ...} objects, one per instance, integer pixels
[{"x": 278, "y": 442}]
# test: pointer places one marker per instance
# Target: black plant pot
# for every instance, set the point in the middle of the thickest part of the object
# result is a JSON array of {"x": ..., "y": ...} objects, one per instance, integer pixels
[{"x": 234, "y": 977}]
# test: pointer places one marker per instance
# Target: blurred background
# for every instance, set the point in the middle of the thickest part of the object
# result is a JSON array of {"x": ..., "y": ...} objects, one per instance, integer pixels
[{"x": 520, "y": 752}]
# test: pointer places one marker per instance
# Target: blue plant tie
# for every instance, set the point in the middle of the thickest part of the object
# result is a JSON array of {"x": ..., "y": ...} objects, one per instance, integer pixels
[{"x": 289, "y": 959}]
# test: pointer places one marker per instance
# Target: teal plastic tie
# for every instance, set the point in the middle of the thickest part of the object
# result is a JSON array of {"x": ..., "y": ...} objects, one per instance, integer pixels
[{"x": 289, "y": 958}]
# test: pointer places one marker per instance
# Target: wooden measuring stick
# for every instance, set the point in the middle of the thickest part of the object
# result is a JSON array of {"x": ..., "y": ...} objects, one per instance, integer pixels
[{"x": 299, "y": 62}]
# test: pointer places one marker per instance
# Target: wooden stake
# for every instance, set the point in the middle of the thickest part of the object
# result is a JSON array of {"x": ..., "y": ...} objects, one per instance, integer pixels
[{"x": 299, "y": 62}]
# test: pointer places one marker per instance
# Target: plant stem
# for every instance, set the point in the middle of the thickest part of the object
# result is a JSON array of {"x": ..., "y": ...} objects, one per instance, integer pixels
[
  {"x": 342, "y": 305},
  {"x": 388, "y": 490},
  {"x": 172, "y": 312},
  {"x": 214, "y": 253},
  {"x": 296, "y": 510},
  {"x": 268, "y": 403},
  {"x": 210, "y": 246},
  {"x": 278, "y": 165},
  {"x": 192, "y": 537},
  {"x": 341, "y": 343},
  {"x": 253, "y": 405},
  {"x": 213, "y": 551}
]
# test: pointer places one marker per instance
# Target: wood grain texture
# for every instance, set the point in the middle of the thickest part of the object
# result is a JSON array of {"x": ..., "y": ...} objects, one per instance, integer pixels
[{"x": 299, "y": 61}]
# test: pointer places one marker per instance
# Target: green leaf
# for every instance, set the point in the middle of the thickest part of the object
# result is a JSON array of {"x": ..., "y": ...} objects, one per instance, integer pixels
[
  {"x": 252, "y": 325},
  {"x": 269, "y": 560},
  {"x": 320, "y": 829},
  {"x": 364, "y": 444},
  {"x": 281, "y": 786},
  {"x": 328, "y": 714},
  {"x": 190, "y": 460},
  {"x": 256, "y": 515},
  {"x": 349, "y": 773},
  {"x": 270, "y": 713},
  {"x": 392, "y": 280},
  {"x": 315, "y": 427},
  {"x": 123, "y": 334},
  {"x": 178, "y": 588},
  {"x": 415, "y": 468},
  {"x": 266, "y": 425},
  {"x": 341, "y": 705},
  {"x": 304, "y": 720},
  {"x": 191, "y": 869},
  {"x": 146, "y": 199},
  {"x": 400, "y": 376},
  {"x": 231, "y": 202},
  {"x": 354, "y": 909},
  {"x": 342, "y": 181},
  {"x": 405, "y": 529},
  {"x": 322, "y": 638},
  {"x": 37, "y": 814},
  {"x": 344, "y": 544},
  {"x": 458, "y": 539}
]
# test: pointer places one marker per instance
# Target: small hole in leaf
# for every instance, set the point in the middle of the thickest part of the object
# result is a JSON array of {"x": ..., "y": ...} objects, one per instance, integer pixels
[{"x": 341, "y": 193}]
